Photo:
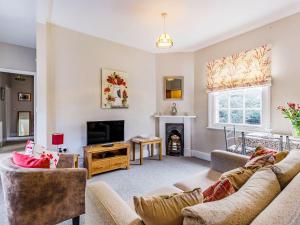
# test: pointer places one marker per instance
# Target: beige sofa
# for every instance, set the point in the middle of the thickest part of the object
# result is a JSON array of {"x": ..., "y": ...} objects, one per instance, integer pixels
[{"x": 105, "y": 207}]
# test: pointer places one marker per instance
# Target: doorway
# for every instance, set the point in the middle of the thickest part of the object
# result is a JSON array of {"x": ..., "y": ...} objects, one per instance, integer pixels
[{"x": 16, "y": 110}]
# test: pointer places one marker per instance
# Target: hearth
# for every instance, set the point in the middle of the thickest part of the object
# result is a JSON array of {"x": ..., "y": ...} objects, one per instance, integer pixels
[{"x": 175, "y": 139}]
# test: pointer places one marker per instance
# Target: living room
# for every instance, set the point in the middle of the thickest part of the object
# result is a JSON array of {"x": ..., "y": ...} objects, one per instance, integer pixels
[{"x": 135, "y": 95}]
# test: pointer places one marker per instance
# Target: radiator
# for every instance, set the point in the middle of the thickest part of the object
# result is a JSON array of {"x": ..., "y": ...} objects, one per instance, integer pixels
[{"x": 1, "y": 134}]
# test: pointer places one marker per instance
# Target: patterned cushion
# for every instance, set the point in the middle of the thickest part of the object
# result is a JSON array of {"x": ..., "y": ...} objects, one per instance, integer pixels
[
  {"x": 166, "y": 210},
  {"x": 261, "y": 157},
  {"x": 40, "y": 151},
  {"x": 29, "y": 147},
  {"x": 219, "y": 190}
]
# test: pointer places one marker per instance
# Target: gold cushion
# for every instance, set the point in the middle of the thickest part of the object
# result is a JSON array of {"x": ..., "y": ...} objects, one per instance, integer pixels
[
  {"x": 287, "y": 168},
  {"x": 166, "y": 210},
  {"x": 280, "y": 156},
  {"x": 238, "y": 177}
]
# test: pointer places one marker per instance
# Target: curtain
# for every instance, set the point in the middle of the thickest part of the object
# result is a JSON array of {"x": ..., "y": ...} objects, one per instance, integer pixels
[{"x": 245, "y": 69}]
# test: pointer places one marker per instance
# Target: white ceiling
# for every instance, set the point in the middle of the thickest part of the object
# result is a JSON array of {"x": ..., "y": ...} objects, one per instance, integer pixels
[
  {"x": 193, "y": 24},
  {"x": 17, "y": 22}
]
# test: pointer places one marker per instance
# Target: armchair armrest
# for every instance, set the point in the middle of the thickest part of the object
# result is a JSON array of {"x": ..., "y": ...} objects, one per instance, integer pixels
[
  {"x": 223, "y": 161},
  {"x": 105, "y": 207},
  {"x": 43, "y": 196}
]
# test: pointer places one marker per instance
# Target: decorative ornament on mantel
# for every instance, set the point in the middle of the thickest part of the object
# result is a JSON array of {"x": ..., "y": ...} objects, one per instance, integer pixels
[
  {"x": 292, "y": 112},
  {"x": 164, "y": 40},
  {"x": 173, "y": 109}
]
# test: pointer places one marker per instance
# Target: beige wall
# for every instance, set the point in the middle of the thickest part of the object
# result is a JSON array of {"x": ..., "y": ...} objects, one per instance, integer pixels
[
  {"x": 16, "y": 57},
  {"x": 175, "y": 64},
  {"x": 70, "y": 70},
  {"x": 75, "y": 61},
  {"x": 284, "y": 36}
]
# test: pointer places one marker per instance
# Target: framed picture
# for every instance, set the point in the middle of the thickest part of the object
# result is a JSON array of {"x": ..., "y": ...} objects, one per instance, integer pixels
[
  {"x": 26, "y": 97},
  {"x": 114, "y": 89},
  {"x": 2, "y": 93}
]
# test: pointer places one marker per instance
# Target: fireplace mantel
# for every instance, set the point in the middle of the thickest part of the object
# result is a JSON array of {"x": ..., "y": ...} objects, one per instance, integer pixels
[
  {"x": 176, "y": 116},
  {"x": 186, "y": 120}
]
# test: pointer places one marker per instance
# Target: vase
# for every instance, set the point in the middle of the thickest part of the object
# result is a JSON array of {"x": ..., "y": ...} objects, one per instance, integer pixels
[{"x": 296, "y": 132}]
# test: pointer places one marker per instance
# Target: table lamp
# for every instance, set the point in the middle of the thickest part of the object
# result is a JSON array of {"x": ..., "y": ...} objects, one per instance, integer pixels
[{"x": 57, "y": 139}]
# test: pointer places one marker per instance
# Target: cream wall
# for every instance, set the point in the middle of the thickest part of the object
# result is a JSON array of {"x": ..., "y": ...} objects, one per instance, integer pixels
[
  {"x": 74, "y": 65},
  {"x": 284, "y": 36},
  {"x": 69, "y": 76},
  {"x": 16, "y": 57},
  {"x": 175, "y": 64}
]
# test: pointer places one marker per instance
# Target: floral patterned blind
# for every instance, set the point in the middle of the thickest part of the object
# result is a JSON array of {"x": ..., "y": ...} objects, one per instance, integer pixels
[{"x": 245, "y": 69}]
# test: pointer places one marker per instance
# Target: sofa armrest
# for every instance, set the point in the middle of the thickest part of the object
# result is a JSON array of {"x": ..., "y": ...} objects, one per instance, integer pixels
[
  {"x": 105, "y": 207},
  {"x": 223, "y": 161},
  {"x": 52, "y": 195}
]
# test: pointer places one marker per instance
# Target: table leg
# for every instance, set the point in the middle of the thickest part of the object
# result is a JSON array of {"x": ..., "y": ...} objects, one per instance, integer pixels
[
  {"x": 141, "y": 154},
  {"x": 133, "y": 151},
  {"x": 160, "y": 150},
  {"x": 152, "y": 149}
]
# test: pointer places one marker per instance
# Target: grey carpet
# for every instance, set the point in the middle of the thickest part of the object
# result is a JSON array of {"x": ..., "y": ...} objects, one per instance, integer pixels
[{"x": 139, "y": 180}]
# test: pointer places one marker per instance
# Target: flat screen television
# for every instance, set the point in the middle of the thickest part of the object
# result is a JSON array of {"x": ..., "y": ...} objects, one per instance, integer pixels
[{"x": 102, "y": 132}]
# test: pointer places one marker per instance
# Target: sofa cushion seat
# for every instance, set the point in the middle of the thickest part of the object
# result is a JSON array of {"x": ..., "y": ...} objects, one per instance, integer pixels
[
  {"x": 203, "y": 180},
  {"x": 284, "y": 209},
  {"x": 239, "y": 208}
]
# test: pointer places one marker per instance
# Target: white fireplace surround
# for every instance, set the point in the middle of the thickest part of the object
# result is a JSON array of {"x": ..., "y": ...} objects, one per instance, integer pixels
[{"x": 186, "y": 120}]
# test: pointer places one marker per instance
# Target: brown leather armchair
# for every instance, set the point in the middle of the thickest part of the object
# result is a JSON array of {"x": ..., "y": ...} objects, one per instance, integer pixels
[{"x": 43, "y": 196}]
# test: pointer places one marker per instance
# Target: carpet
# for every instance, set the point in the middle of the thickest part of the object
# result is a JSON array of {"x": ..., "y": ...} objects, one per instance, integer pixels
[{"x": 139, "y": 180}]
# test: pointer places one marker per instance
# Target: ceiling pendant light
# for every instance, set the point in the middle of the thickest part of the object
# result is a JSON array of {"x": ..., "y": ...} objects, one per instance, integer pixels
[{"x": 164, "y": 40}]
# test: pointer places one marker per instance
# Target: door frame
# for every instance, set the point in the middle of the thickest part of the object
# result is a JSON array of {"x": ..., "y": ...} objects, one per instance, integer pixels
[{"x": 29, "y": 73}]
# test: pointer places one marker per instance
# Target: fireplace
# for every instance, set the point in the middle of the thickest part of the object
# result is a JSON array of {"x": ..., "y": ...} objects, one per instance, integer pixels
[{"x": 175, "y": 139}]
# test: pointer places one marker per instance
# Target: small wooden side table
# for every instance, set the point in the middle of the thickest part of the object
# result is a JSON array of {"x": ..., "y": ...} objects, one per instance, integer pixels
[{"x": 146, "y": 141}]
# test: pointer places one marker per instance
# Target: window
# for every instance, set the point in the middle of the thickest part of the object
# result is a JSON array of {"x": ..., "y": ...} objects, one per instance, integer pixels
[{"x": 246, "y": 108}]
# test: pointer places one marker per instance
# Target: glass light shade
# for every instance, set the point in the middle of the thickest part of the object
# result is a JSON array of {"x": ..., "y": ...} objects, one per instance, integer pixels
[{"x": 164, "y": 41}]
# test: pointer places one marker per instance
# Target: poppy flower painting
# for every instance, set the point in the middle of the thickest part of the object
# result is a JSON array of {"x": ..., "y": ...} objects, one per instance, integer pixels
[{"x": 114, "y": 89}]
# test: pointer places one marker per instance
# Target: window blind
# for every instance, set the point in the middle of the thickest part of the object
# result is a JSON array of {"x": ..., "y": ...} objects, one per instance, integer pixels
[{"x": 245, "y": 69}]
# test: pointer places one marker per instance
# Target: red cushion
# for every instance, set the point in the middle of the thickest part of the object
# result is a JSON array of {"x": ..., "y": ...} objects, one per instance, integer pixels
[
  {"x": 29, "y": 161},
  {"x": 219, "y": 190}
]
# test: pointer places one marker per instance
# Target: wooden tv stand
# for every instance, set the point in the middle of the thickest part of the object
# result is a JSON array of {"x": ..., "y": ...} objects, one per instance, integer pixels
[{"x": 99, "y": 159}]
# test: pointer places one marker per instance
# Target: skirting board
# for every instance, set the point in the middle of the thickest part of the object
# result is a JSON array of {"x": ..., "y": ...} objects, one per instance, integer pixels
[{"x": 201, "y": 155}]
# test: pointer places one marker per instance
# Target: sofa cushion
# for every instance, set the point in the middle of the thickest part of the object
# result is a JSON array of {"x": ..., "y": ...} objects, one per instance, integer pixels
[
  {"x": 287, "y": 168},
  {"x": 238, "y": 177},
  {"x": 284, "y": 209},
  {"x": 29, "y": 161},
  {"x": 166, "y": 210},
  {"x": 165, "y": 190},
  {"x": 219, "y": 190},
  {"x": 280, "y": 156},
  {"x": 239, "y": 208},
  {"x": 40, "y": 151},
  {"x": 203, "y": 180}
]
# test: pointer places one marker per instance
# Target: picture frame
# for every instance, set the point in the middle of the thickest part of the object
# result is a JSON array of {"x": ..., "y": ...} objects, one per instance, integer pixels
[
  {"x": 2, "y": 93},
  {"x": 114, "y": 89},
  {"x": 24, "y": 97}
]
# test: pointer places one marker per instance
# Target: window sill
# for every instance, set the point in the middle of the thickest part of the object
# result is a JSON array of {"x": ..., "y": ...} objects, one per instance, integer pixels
[{"x": 242, "y": 129}]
